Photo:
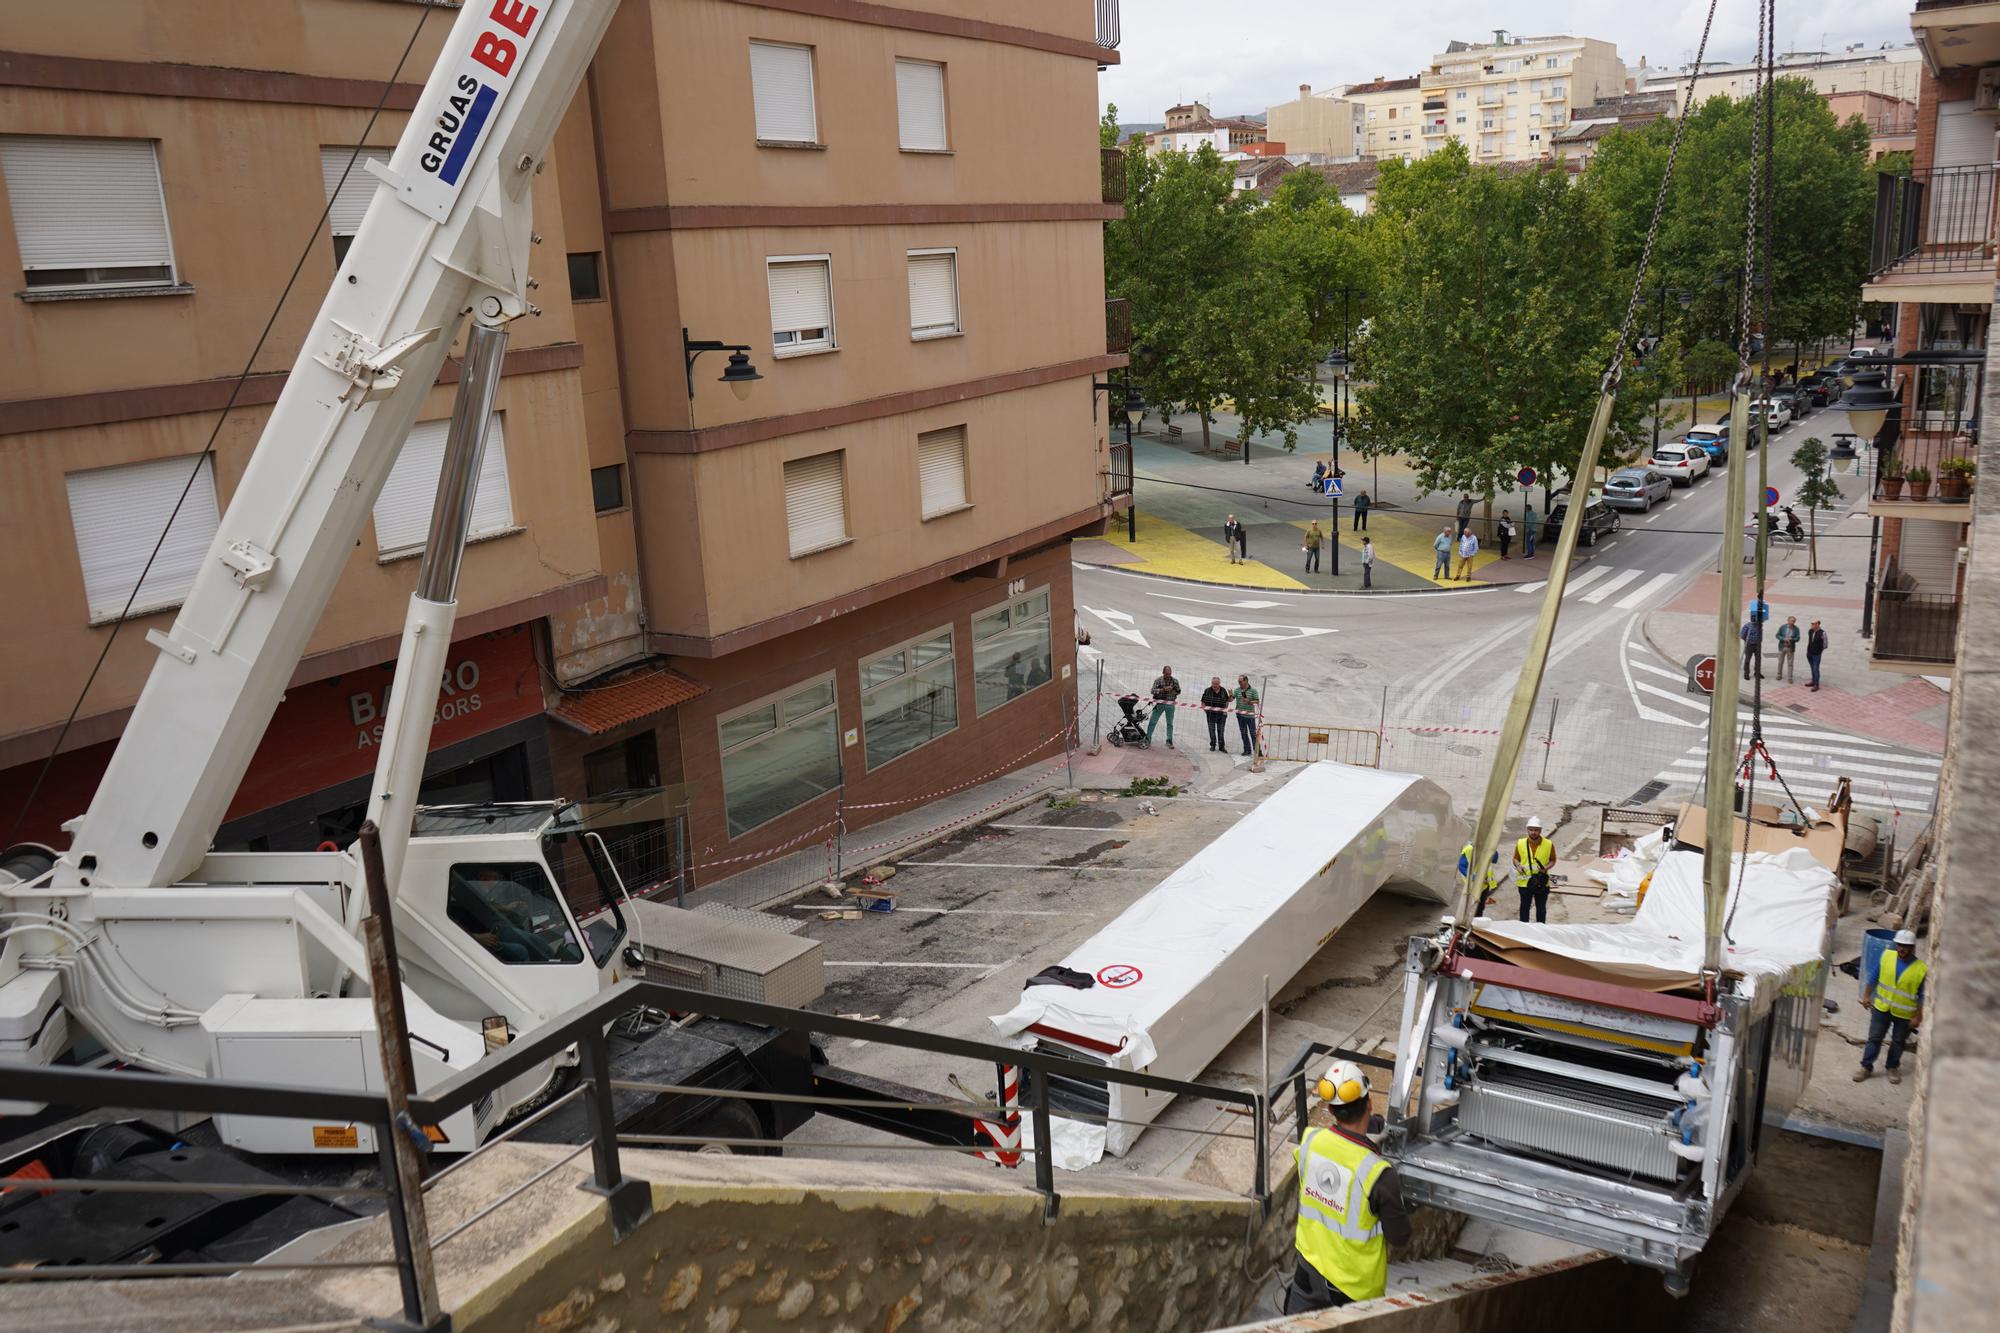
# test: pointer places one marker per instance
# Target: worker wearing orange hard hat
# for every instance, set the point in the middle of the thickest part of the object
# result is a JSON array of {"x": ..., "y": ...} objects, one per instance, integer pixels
[{"x": 1350, "y": 1202}]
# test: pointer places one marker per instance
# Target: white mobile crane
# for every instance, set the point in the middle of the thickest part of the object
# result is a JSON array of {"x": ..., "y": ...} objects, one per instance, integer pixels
[{"x": 248, "y": 966}]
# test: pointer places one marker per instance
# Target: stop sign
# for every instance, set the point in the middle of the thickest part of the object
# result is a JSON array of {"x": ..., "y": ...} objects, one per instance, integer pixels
[{"x": 1701, "y": 673}]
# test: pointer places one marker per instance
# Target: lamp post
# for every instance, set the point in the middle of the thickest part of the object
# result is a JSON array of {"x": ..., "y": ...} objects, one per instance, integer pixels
[
  {"x": 1341, "y": 362},
  {"x": 739, "y": 375},
  {"x": 1685, "y": 298},
  {"x": 1868, "y": 403}
]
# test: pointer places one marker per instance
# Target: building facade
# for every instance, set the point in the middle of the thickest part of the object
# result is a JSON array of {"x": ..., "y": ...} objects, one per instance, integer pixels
[
  {"x": 1329, "y": 126},
  {"x": 1505, "y": 100},
  {"x": 842, "y": 593},
  {"x": 1892, "y": 71},
  {"x": 1391, "y": 117}
]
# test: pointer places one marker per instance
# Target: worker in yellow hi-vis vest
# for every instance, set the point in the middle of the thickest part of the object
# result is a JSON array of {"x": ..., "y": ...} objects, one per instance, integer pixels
[
  {"x": 1533, "y": 855},
  {"x": 1895, "y": 996},
  {"x": 1350, "y": 1202}
]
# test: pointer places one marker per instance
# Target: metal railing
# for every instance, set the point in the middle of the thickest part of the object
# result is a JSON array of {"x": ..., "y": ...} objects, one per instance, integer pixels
[
  {"x": 1928, "y": 451},
  {"x": 1111, "y": 162},
  {"x": 1108, "y": 29},
  {"x": 1307, "y": 743},
  {"x": 1936, "y": 220},
  {"x": 1916, "y": 626},
  {"x": 1121, "y": 470},
  {"x": 1117, "y": 325},
  {"x": 582, "y": 1029}
]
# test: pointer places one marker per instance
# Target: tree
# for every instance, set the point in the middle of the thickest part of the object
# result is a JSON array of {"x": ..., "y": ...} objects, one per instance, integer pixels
[
  {"x": 1705, "y": 363},
  {"x": 1107, "y": 128},
  {"x": 1816, "y": 492}
]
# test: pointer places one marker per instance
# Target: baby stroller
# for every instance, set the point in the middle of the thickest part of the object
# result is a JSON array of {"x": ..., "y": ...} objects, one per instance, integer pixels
[{"x": 1130, "y": 729}]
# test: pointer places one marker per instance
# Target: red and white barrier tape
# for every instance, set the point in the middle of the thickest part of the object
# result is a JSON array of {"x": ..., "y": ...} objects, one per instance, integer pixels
[{"x": 994, "y": 772}]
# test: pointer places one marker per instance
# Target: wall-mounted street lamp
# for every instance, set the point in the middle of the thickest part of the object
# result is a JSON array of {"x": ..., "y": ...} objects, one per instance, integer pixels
[
  {"x": 1842, "y": 456},
  {"x": 1868, "y": 402},
  {"x": 739, "y": 375}
]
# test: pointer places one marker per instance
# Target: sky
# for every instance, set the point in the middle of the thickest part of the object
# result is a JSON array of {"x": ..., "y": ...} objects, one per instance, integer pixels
[{"x": 1247, "y": 56}]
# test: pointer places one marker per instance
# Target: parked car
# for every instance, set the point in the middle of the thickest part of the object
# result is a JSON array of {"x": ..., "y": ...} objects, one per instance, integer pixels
[
  {"x": 1798, "y": 400},
  {"x": 1820, "y": 392},
  {"x": 1714, "y": 439},
  {"x": 1599, "y": 519},
  {"x": 1636, "y": 488},
  {"x": 1776, "y": 412},
  {"x": 1682, "y": 462}
]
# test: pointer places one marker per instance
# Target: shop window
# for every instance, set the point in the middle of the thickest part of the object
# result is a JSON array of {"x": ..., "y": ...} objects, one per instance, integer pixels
[
  {"x": 779, "y": 753},
  {"x": 909, "y": 697},
  {"x": 512, "y": 910},
  {"x": 1011, "y": 652}
]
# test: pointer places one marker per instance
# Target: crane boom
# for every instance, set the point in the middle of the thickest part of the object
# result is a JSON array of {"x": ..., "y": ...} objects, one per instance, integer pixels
[{"x": 446, "y": 235}]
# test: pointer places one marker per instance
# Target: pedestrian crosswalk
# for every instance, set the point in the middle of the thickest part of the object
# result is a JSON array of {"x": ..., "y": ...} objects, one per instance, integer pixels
[
  {"x": 1887, "y": 778},
  {"x": 1608, "y": 583}
]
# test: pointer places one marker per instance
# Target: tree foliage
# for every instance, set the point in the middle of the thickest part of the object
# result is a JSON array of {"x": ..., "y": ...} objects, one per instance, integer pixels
[{"x": 1817, "y": 490}]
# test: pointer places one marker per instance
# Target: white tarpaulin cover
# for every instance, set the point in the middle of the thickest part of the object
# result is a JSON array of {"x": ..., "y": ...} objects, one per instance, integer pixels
[
  {"x": 1781, "y": 904},
  {"x": 1182, "y": 970}
]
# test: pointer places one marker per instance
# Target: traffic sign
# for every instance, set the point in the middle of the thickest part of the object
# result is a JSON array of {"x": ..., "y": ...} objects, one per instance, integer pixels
[
  {"x": 1333, "y": 486},
  {"x": 1760, "y": 611},
  {"x": 1701, "y": 673},
  {"x": 1118, "y": 976},
  {"x": 1526, "y": 476},
  {"x": 1770, "y": 496}
]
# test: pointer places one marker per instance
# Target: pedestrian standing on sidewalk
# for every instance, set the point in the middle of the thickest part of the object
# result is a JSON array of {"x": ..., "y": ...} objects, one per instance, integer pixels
[
  {"x": 1894, "y": 997},
  {"x": 1441, "y": 567},
  {"x": 1367, "y": 563},
  {"x": 1232, "y": 537},
  {"x": 1215, "y": 707},
  {"x": 1752, "y": 635},
  {"x": 1815, "y": 647},
  {"x": 1468, "y": 546},
  {"x": 1465, "y": 513},
  {"x": 1506, "y": 535},
  {"x": 1528, "y": 529},
  {"x": 1246, "y": 713},
  {"x": 1533, "y": 855},
  {"x": 1788, "y": 648},
  {"x": 1166, "y": 689},
  {"x": 1314, "y": 538},
  {"x": 1362, "y": 504}
]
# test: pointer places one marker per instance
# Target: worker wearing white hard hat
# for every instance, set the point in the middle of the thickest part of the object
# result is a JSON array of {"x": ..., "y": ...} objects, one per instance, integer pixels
[
  {"x": 1350, "y": 1202},
  {"x": 1895, "y": 1000},
  {"x": 1533, "y": 856}
]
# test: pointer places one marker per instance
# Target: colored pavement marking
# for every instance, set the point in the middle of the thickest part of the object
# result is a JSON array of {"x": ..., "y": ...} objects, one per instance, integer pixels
[
  {"x": 1407, "y": 545},
  {"x": 1171, "y": 550}
]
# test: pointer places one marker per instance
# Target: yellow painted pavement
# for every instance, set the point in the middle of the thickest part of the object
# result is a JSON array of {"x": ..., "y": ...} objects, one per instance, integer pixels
[
  {"x": 1406, "y": 544},
  {"x": 1168, "y": 549}
]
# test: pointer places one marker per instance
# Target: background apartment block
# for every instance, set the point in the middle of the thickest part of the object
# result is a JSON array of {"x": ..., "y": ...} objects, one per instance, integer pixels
[
  {"x": 852, "y": 583},
  {"x": 1505, "y": 99},
  {"x": 1321, "y": 124}
]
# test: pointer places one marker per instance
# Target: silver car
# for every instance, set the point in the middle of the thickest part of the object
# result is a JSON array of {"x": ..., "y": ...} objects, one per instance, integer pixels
[{"x": 1636, "y": 488}]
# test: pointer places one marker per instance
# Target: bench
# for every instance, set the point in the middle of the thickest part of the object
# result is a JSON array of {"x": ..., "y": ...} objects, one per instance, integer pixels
[{"x": 1173, "y": 430}]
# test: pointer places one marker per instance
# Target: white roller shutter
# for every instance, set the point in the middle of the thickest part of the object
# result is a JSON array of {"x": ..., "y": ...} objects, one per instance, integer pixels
[
  {"x": 1960, "y": 208},
  {"x": 815, "y": 502},
  {"x": 86, "y": 203},
  {"x": 941, "y": 469},
  {"x": 920, "y": 104},
  {"x": 781, "y": 82},
  {"x": 118, "y": 513},
  {"x": 933, "y": 294},
  {"x": 801, "y": 302},
  {"x": 403, "y": 509},
  {"x": 1929, "y": 554},
  {"x": 352, "y": 196}
]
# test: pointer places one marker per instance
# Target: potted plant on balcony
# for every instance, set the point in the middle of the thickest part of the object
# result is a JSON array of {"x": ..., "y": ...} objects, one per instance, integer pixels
[
  {"x": 1892, "y": 478},
  {"x": 1955, "y": 478},
  {"x": 1920, "y": 482}
]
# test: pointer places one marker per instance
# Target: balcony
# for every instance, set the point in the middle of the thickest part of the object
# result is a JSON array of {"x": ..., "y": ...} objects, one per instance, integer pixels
[
  {"x": 1916, "y": 628},
  {"x": 1121, "y": 472},
  {"x": 1118, "y": 325},
  {"x": 1108, "y": 33},
  {"x": 1956, "y": 34},
  {"x": 1112, "y": 163},
  {"x": 1432, "y": 128},
  {"x": 1933, "y": 236}
]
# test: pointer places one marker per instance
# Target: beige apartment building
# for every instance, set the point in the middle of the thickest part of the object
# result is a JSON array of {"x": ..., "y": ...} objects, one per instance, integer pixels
[
  {"x": 1892, "y": 71},
  {"x": 839, "y": 593},
  {"x": 1319, "y": 123},
  {"x": 1392, "y": 116},
  {"x": 1505, "y": 99}
]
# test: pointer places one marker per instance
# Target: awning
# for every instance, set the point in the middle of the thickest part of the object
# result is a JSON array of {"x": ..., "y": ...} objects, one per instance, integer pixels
[{"x": 641, "y": 692}]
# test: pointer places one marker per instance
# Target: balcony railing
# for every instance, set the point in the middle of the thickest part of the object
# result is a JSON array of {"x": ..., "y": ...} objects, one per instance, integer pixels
[
  {"x": 1112, "y": 162},
  {"x": 1121, "y": 470},
  {"x": 1938, "y": 220},
  {"x": 1118, "y": 325},
  {"x": 1107, "y": 24},
  {"x": 1916, "y": 626},
  {"x": 1928, "y": 450}
]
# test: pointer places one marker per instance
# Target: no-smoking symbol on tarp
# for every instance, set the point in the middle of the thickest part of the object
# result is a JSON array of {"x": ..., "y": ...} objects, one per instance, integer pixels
[{"x": 1118, "y": 976}]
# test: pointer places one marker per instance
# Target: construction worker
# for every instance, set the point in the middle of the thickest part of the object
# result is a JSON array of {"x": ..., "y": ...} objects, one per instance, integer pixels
[
  {"x": 1533, "y": 855},
  {"x": 1350, "y": 1202},
  {"x": 1895, "y": 995},
  {"x": 1487, "y": 888}
]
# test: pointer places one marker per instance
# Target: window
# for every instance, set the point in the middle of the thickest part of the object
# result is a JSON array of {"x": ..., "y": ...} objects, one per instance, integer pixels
[
  {"x": 801, "y": 303},
  {"x": 1460, "y": 95},
  {"x": 586, "y": 277},
  {"x": 118, "y": 513},
  {"x": 512, "y": 910},
  {"x": 815, "y": 503},
  {"x": 1010, "y": 651},
  {"x": 1461, "y": 120},
  {"x": 779, "y": 753},
  {"x": 933, "y": 293},
  {"x": 1406, "y": 136},
  {"x": 941, "y": 470},
  {"x": 1392, "y": 113},
  {"x": 1512, "y": 135},
  {"x": 1514, "y": 111},
  {"x": 88, "y": 212},
  {"x": 1556, "y": 90},
  {"x": 403, "y": 509},
  {"x": 1486, "y": 122},
  {"x": 1550, "y": 63},
  {"x": 781, "y": 84},
  {"x": 1371, "y": 113},
  {"x": 920, "y": 120},
  {"x": 348, "y": 198},
  {"x": 909, "y": 697},
  {"x": 607, "y": 488}
]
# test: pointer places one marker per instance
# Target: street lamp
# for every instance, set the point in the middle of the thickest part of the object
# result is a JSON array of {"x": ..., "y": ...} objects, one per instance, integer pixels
[
  {"x": 1868, "y": 402},
  {"x": 1842, "y": 456},
  {"x": 739, "y": 375},
  {"x": 1340, "y": 363}
]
